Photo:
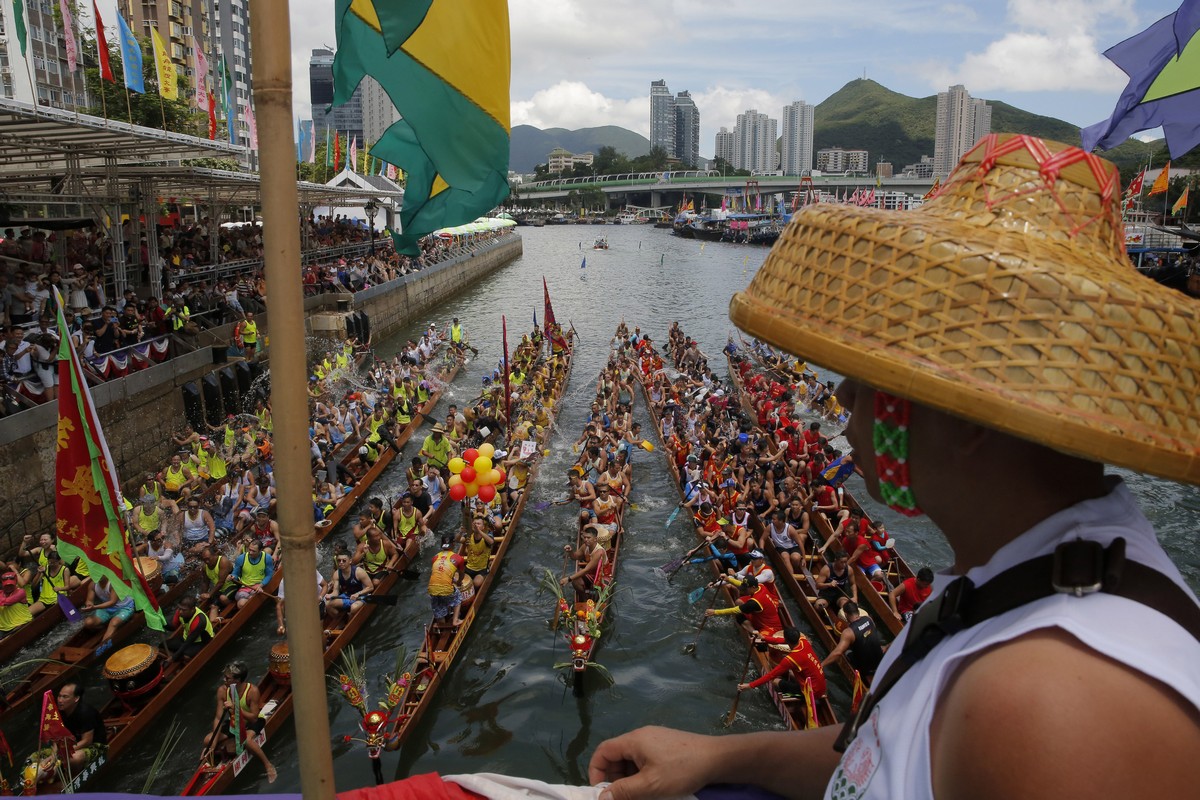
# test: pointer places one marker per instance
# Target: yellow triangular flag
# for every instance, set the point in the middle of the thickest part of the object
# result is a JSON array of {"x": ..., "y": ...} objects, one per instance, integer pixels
[{"x": 1160, "y": 183}]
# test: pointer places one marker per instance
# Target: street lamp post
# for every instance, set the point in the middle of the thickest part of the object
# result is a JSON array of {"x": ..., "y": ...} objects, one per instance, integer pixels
[{"x": 371, "y": 208}]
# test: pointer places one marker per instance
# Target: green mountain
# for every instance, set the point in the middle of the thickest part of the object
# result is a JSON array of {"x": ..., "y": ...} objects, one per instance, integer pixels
[
  {"x": 900, "y": 129},
  {"x": 530, "y": 146}
]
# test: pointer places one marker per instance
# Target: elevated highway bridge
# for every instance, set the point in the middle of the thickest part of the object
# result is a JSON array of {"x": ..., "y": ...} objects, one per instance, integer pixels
[{"x": 670, "y": 188}]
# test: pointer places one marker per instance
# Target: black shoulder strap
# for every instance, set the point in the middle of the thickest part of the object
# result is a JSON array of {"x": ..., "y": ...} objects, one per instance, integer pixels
[{"x": 1079, "y": 568}]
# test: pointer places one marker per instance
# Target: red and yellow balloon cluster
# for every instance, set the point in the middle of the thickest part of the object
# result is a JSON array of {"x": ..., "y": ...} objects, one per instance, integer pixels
[{"x": 474, "y": 475}]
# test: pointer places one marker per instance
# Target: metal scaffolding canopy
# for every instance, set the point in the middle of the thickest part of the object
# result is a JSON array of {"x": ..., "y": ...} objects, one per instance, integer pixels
[
  {"x": 56, "y": 164},
  {"x": 51, "y": 141}
]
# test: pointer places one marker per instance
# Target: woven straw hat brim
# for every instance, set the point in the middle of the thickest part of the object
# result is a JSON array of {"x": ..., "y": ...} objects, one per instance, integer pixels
[{"x": 1028, "y": 333}]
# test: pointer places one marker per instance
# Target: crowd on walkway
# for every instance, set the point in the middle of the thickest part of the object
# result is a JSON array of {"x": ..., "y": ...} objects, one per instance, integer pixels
[{"x": 115, "y": 335}]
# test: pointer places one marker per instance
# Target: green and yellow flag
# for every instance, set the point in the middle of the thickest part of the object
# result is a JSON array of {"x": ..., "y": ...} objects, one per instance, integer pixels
[
  {"x": 88, "y": 510},
  {"x": 445, "y": 65},
  {"x": 1181, "y": 203},
  {"x": 168, "y": 78}
]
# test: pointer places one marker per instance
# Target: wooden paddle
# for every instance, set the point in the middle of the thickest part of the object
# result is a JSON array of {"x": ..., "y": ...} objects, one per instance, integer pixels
[
  {"x": 737, "y": 697},
  {"x": 690, "y": 647},
  {"x": 207, "y": 754},
  {"x": 672, "y": 567}
]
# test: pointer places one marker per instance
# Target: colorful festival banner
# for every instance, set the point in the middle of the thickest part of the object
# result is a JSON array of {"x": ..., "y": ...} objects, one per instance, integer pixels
[
  {"x": 106, "y": 72},
  {"x": 164, "y": 67},
  {"x": 131, "y": 58},
  {"x": 445, "y": 65},
  {"x": 1161, "y": 182},
  {"x": 89, "y": 523},
  {"x": 1163, "y": 65},
  {"x": 69, "y": 35},
  {"x": 202, "y": 94}
]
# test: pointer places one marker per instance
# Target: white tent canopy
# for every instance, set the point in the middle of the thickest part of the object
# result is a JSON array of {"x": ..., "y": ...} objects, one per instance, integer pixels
[{"x": 481, "y": 225}]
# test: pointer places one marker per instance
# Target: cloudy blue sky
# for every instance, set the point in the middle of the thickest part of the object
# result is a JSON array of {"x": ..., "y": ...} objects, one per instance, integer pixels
[{"x": 582, "y": 63}]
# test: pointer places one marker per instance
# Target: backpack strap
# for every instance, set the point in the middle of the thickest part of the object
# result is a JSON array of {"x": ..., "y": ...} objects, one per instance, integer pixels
[{"x": 1077, "y": 568}]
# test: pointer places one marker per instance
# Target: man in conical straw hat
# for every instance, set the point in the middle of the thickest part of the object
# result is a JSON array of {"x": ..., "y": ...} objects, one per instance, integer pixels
[{"x": 999, "y": 349}]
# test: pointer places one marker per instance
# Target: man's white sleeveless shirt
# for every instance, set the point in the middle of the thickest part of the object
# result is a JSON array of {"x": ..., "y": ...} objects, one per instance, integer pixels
[{"x": 890, "y": 756}]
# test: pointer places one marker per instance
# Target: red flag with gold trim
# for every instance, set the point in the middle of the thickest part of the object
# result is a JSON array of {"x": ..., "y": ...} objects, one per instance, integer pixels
[
  {"x": 52, "y": 728},
  {"x": 933, "y": 190},
  {"x": 858, "y": 694},
  {"x": 810, "y": 706},
  {"x": 88, "y": 507}
]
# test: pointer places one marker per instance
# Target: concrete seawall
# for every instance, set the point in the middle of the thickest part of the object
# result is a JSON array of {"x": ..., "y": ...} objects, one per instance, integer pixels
[
  {"x": 394, "y": 304},
  {"x": 141, "y": 411}
]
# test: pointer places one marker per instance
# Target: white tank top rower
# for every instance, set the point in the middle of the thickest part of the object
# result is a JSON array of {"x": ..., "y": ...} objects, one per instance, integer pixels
[
  {"x": 195, "y": 529},
  {"x": 781, "y": 536}
]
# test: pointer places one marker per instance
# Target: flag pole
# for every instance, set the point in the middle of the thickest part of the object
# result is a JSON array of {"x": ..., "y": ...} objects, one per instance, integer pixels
[{"x": 271, "y": 43}]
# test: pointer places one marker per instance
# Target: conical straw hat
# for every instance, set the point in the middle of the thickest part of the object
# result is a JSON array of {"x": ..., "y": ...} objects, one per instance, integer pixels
[{"x": 1008, "y": 300}]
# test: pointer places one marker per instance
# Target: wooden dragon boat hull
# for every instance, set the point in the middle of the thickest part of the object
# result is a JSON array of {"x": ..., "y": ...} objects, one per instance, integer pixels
[
  {"x": 790, "y": 710},
  {"x": 442, "y": 643}
]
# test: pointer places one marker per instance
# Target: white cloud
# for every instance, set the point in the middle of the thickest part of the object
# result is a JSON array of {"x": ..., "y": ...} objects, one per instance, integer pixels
[
  {"x": 1054, "y": 48},
  {"x": 572, "y": 105}
]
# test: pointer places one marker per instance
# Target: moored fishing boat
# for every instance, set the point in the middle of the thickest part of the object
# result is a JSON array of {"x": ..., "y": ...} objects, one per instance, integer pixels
[{"x": 796, "y": 711}]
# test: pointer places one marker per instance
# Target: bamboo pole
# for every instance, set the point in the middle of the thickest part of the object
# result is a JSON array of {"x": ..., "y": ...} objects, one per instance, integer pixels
[{"x": 271, "y": 42}]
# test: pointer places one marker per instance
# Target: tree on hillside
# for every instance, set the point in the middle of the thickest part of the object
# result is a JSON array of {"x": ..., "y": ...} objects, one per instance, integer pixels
[{"x": 609, "y": 162}]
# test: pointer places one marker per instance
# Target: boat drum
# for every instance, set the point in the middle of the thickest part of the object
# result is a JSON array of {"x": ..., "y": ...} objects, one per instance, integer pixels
[
  {"x": 279, "y": 663},
  {"x": 133, "y": 671},
  {"x": 151, "y": 570}
]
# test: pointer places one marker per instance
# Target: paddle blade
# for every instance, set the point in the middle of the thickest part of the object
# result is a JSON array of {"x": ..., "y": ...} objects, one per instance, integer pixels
[
  {"x": 672, "y": 517},
  {"x": 670, "y": 566},
  {"x": 542, "y": 506},
  {"x": 695, "y": 594},
  {"x": 647, "y": 446},
  {"x": 68, "y": 609},
  {"x": 380, "y": 599}
]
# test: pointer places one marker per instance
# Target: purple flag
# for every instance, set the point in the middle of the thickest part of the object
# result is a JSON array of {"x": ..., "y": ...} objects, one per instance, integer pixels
[{"x": 1164, "y": 84}]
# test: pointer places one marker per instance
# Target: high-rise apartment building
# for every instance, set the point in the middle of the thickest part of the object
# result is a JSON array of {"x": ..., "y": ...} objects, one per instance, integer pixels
[
  {"x": 961, "y": 122},
  {"x": 662, "y": 117},
  {"x": 45, "y": 57},
  {"x": 723, "y": 147},
  {"x": 231, "y": 29},
  {"x": 378, "y": 111},
  {"x": 796, "y": 148},
  {"x": 754, "y": 142},
  {"x": 346, "y": 119},
  {"x": 687, "y": 129}
]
